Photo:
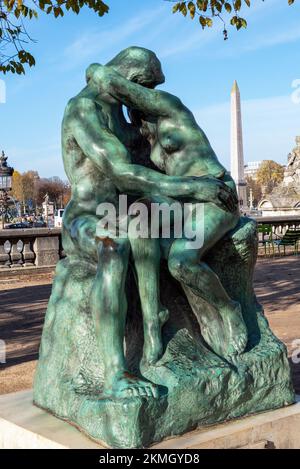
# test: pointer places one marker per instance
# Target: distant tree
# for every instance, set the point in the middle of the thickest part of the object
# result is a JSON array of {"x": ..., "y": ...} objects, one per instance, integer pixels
[
  {"x": 269, "y": 175},
  {"x": 256, "y": 190},
  {"x": 29, "y": 181},
  {"x": 14, "y": 36},
  {"x": 58, "y": 191},
  {"x": 17, "y": 185},
  {"x": 29, "y": 189},
  {"x": 24, "y": 188}
]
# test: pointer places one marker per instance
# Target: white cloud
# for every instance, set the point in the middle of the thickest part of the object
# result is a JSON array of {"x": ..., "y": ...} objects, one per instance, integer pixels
[
  {"x": 91, "y": 43},
  {"x": 283, "y": 37}
]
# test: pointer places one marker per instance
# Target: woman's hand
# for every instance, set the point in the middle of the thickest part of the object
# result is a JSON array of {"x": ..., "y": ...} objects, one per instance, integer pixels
[{"x": 216, "y": 191}]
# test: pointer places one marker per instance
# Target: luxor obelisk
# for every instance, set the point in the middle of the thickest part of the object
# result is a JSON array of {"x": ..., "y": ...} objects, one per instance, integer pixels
[{"x": 237, "y": 152}]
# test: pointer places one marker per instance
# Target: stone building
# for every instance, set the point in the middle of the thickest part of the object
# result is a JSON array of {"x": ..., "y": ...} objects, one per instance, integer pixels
[
  {"x": 284, "y": 200},
  {"x": 251, "y": 168}
]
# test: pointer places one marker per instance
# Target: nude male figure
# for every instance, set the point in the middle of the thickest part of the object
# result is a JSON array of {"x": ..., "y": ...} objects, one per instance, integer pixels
[
  {"x": 180, "y": 148},
  {"x": 95, "y": 137}
]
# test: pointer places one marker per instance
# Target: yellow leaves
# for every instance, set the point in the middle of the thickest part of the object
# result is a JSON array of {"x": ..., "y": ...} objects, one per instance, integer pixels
[
  {"x": 270, "y": 174},
  {"x": 58, "y": 12},
  {"x": 192, "y": 9},
  {"x": 228, "y": 7},
  {"x": 237, "y": 5}
]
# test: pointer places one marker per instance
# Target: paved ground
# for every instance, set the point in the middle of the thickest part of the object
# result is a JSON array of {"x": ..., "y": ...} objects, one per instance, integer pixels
[{"x": 22, "y": 306}]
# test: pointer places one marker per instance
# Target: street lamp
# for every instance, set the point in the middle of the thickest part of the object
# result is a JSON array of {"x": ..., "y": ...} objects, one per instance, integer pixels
[{"x": 6, "y": 173}]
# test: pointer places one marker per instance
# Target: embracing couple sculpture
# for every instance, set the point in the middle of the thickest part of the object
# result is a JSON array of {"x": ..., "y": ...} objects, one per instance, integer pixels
[
  {"x": 96, "y": 144},
  {"x": 104, "y": 156}
]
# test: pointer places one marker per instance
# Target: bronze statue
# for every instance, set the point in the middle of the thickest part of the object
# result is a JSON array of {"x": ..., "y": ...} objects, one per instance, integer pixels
[{"x": 142, "y": 329}]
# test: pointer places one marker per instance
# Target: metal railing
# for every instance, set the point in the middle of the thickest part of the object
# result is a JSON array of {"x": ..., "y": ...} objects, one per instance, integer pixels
[
  {"x": 279, "y": 224},
  {"x": 271, "y": 235}
]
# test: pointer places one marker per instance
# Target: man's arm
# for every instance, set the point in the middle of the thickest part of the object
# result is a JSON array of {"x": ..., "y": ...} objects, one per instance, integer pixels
[
  {"x": 111, "y": 157},
  {"x": 150, "y": 101}
]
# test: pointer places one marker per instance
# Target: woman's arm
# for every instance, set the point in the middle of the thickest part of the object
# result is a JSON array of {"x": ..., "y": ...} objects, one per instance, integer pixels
[{"x": 150, "y": 101}]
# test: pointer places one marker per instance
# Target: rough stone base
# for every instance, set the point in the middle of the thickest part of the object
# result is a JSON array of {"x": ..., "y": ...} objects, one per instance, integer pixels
[
  {"x": 24, "y": 426},
  {"x": 197, "y": 386}
]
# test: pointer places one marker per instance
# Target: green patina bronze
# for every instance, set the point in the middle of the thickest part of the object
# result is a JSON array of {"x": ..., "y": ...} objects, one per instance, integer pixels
[{"x": 146, "y": 338}]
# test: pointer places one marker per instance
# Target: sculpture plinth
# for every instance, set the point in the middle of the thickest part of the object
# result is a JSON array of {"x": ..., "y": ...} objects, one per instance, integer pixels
[{"x": 197, "y": 386}]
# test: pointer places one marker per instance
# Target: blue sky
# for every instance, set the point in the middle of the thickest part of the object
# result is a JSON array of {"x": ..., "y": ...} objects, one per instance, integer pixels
[{"x": 200, "y": 68}]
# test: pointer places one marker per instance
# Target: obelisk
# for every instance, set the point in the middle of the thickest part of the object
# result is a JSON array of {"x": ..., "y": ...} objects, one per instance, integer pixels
[{"x": 237, "y": 152}]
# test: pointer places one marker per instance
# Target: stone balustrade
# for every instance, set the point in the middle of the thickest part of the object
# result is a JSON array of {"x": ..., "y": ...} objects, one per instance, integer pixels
[
  {"x": 41, "y": 247},
  {"x": 33, "y": 247}
]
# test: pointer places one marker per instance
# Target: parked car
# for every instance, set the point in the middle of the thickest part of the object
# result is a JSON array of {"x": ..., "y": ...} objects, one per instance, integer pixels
[
  {"x": 25, "y": 224},
  {"x": 38, "y": 224},
  {"x": 19, "y": 225}
]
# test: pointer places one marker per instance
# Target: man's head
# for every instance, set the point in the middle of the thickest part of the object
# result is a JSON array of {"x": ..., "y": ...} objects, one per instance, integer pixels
[{"x": 138, "y": 65}]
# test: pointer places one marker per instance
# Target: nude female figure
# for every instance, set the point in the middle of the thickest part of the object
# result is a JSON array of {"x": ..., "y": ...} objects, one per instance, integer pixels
[{"x": 180, "y": 148}]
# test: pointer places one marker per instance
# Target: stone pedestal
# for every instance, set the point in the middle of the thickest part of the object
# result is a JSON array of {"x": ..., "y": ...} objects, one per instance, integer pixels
[
  {"x": 24, "y": 426},
  {"x": 46, "y": 250},
  {"x": 197, "y": 387}
]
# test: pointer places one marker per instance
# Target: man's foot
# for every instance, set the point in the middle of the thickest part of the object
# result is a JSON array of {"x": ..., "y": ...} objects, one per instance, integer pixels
[{"x": 124, "y": 385}]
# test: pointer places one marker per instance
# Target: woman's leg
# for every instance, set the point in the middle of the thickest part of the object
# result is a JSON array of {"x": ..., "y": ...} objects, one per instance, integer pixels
[{"x": 187, "y": 266}]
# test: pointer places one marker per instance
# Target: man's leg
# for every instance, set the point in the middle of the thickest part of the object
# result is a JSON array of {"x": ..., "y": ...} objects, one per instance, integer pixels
[
  {"x": 108, "y": 302},
  {"x": 146, "y": 255}
]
